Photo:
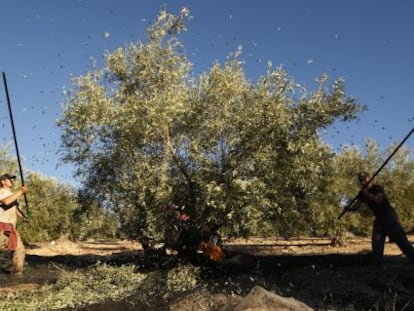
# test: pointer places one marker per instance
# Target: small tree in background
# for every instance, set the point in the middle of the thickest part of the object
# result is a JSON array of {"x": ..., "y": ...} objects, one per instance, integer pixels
[
  {"x": 51, "y": 206},
  {"x": 91, "y": 221}
]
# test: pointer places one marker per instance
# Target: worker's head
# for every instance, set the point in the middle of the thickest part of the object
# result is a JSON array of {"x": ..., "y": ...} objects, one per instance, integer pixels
[
  {"x": 363, "y": 178},
  {"x": 7, "y": 180}
]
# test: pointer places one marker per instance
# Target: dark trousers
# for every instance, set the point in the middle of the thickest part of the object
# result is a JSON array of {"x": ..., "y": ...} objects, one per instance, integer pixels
[{"x": 393, "y": 229}]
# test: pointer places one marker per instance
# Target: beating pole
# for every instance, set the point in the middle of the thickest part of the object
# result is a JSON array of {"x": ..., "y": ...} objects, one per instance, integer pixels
[
  {"x": 376, "y": 173},
  {"x": 15, "y": 142}
]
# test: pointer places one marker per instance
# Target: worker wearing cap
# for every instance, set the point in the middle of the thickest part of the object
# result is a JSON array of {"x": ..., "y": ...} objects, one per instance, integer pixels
[
  {"x": 9, "y": 211},
  {"x": 386, "y": 221}
]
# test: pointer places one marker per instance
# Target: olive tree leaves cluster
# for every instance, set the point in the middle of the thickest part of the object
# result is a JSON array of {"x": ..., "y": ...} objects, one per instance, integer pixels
[
  {"x": 246, "y": 156},
  {"x": 51, "y": 207}
]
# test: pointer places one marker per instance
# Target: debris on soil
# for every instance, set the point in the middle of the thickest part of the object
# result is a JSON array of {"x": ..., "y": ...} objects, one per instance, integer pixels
[{"x": 309, "y": 270}]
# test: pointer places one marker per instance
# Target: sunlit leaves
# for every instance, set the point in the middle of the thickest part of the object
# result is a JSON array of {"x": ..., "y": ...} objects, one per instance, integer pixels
[{"x": 243, "y": 155}]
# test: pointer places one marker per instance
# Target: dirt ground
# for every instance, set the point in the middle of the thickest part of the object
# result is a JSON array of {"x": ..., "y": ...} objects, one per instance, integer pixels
[
  {"x": 64, "y": 246},
  {"x": 257, "y": 246},
  {"x": 311, "y": 270}
]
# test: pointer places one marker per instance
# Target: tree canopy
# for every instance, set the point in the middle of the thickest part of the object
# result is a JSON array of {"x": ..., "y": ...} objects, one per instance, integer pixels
[{"x": 244, "y": 155}]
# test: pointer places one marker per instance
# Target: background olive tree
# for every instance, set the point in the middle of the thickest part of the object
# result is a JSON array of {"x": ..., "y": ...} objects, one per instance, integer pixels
[
  {"x": 51, "y": 206},
  {"x": 51, "y": 203},
  {"x": 246, "y": 156},
  {"x": 57, "y": 209}
]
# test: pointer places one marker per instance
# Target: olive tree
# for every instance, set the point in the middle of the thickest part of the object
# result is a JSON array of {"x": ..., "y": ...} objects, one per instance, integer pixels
[
  {"x": 51, "y": 204},
  {"x": 246, "y": 156}
]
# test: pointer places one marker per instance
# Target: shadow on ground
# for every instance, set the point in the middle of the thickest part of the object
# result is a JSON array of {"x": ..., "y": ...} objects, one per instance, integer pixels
[{"x": 335, "y": 282}]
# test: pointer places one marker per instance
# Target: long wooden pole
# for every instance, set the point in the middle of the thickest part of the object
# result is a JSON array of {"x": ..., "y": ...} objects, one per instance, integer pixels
[{"x": 15, "y": 142}]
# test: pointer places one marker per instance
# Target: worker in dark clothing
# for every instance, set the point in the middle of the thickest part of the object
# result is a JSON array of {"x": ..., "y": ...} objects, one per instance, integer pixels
[
  {"x": 180, "y": 234},
  {"x": 386, "y": 221}
]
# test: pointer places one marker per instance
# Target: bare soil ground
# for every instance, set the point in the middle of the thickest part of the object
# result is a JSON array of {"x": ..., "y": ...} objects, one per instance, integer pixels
[
  {"x": 64, "y": 246},
  {"x": 311, "y": 270},
  {"x": 257, "y": 246}
]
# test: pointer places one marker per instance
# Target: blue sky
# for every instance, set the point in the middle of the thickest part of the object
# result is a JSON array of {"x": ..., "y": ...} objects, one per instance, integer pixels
[{"x": 368, "y": 43}]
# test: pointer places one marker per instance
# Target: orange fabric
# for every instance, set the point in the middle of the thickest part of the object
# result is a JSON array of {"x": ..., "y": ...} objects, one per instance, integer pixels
[
  {"x": 213, "y": 252},
  {"x": 9, "y": 228}
]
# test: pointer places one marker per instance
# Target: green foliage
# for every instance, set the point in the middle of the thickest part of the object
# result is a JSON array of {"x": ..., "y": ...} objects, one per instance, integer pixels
[
  {"x": 245, "y": 156},
  {"x": 398, "y": 181},
  {"x": 51, "y": 206},
  {"x": 75, "y": 289},
  {"x": 91, "y": 221},
  {"x": 8, "y": 164},
  {"x": 342, "y": 187},
  {"x": 182, "y": 278}
]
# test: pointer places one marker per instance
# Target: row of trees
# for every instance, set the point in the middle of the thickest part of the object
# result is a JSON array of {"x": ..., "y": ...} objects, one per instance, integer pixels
[
  {"x": 245, "y": 156},
  {"x": 58, "y": 209}
]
